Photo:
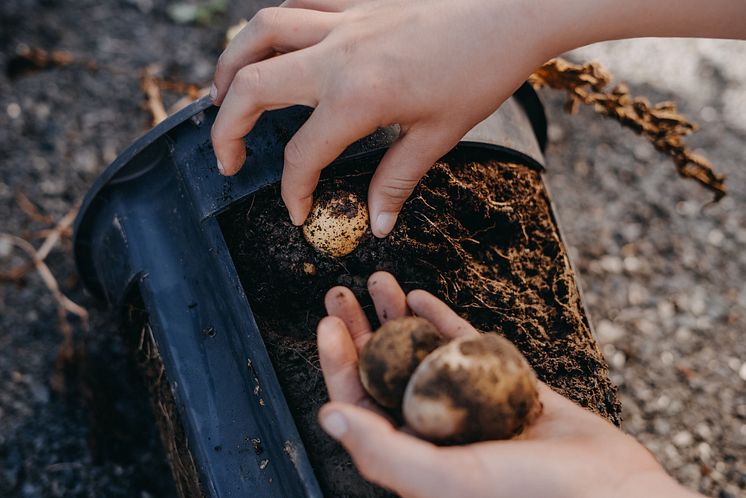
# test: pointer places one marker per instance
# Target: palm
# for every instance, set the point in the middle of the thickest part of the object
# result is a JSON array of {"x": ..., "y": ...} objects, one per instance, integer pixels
[{"x": 561, "y": 446}]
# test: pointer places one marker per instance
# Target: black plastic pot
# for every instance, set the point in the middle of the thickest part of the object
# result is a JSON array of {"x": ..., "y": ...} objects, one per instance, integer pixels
[{"x": 147, "y": 234}]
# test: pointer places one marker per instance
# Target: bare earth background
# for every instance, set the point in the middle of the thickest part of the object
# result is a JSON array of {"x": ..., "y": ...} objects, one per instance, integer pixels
[{"x": 662, "y": 270}]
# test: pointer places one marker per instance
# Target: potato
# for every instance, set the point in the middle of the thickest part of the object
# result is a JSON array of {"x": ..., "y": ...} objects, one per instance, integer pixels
[
  {"x": 473, "y": 388},
  {"x": 337, "y": 222},
  {"x": 392, "y": 354}
]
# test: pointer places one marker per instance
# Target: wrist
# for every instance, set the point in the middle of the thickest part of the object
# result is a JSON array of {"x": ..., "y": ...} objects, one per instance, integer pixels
[
  {"x": 576, "y": 23},
  {"x": 652, "y": 483}
]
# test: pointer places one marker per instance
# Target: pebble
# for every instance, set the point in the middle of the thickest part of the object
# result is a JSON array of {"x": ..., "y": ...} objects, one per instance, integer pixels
[
  {"x": 609, "y": 332},
  {"x": 5, "y": 247},
  {"x": 704, "y": 451},
  {"x": 611, "y": 264},
  {"x": 683, "y": 439},
  {"x": 13, "y": 110}
]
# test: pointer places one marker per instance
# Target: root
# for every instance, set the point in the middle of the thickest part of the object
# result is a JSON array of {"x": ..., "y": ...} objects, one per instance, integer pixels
[{"x": 65, "y": 305}]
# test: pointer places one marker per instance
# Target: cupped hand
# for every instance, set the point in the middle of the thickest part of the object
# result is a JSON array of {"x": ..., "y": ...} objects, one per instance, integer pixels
[
  {"x": 567, "y": 452},
  {"x": 434, "y": 67}
]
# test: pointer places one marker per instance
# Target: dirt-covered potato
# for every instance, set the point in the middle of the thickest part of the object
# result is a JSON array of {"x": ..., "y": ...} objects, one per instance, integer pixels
[
  {"x": 392, "y": 354},
  {"x": 337, "y": 222},
  {"x": 473, "y": 388}
]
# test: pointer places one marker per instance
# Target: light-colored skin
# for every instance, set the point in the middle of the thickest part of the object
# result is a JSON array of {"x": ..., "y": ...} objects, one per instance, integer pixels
[
  {"x": 567, "y": 453},
  {"x": 435, "y": 67}
]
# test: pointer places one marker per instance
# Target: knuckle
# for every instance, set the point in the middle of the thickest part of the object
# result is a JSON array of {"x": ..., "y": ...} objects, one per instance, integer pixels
[
  {"x": 249, "y": 79},
  {"x": 223, "y": 63},
  {"x": 398, "y": 187},
  {"x": 266, "y": 20},
  {"x": 294, "y": 155}
]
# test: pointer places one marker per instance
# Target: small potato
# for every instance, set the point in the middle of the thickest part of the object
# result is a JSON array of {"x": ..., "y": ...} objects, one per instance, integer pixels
[
  {"x": 472, "y": 389},
  {"x": 392, "y": 354},
  {"x": 337, "y": 222}
]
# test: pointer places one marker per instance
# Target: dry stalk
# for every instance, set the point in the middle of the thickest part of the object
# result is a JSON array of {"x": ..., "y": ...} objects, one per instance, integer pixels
[
  {"x": 32, "y": 210},
  {"x": 65, "y": 305},
  {"x": 152, "y": 92},
  {"x": 660, "y": 124},
  {"x": 28, "y": 59}
]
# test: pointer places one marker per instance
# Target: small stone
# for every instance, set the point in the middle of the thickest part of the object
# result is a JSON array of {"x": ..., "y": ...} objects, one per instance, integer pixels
[
  {"x": 618, "y": 360},
  {"x": 663, "y": 402},
  {"x": 309, "y": 268},
  {"x": 715, "y": 237},
  {"x": 608, "y": 331},
  {"x": 643, "y": 151},
  {"x": 683, "y": 334},
  {"x": 13, "y": 110},
  {"x": 666, "y": 310},
  {"x": 5, "y": 247},
  {"x": 632, "y": 264},
  {"x": 704, "y": 450},
  {"x": 667, "y": 358},
  {"x": 683, "y": 439},
  {"x": 555, "y": 133},
  {"x": 661, "y": 426},
  {"x": 708, "y": 114},
  {"x": 611, "y": 264},
  {"x": 703, "y": 430}
]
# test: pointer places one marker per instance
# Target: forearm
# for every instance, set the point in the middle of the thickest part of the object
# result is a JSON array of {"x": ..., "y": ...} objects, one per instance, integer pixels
[
  {"x": 656, "y": 484},
  {"x": 576, "y": 23}
]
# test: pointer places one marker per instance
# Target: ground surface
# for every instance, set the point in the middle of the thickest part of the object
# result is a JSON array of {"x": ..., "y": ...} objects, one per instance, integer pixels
[{"x": 663, "y": 277}]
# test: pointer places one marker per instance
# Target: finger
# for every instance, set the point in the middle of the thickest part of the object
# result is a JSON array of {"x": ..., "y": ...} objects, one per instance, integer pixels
[
  {"x": 271, "y": 30},
  {"x": 320, "y": 5},
  {"x": 429, "y": 307},
  {"x": 398, "y": 173},
  {"x": 329, "y": 130},
  {"x": 342, "y": 303},
  {"x": 271, "y": 84},
  {"x": 385, "y": 456},
  {"x": 338, "y": 358},
  {"x": 388, "y": 298}
]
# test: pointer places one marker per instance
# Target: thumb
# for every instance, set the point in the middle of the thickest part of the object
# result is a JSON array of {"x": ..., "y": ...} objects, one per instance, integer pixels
[
  {"x": 404, "y": 164},
  {"x": 383, "y": 455}
]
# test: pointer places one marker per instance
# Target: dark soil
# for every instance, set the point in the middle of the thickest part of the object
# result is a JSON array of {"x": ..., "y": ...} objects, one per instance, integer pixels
[{"x": 476, "y": 232}]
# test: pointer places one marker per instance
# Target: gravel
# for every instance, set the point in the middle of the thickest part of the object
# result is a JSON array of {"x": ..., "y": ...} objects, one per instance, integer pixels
[{"x": 662, "y": 269}]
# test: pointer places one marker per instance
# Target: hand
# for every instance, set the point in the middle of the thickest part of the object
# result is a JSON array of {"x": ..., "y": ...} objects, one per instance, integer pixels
[
  {"x": 434, "y": 67},
  {"x": 567, "y": 452}
]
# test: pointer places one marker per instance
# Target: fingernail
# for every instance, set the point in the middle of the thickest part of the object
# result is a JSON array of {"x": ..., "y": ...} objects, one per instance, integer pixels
[
  {"x": 221, "y": 168},
  {"x": 335, "y": 424},
  {"x": 213, "y": 92},
  {"x": 384, "y": 224}
]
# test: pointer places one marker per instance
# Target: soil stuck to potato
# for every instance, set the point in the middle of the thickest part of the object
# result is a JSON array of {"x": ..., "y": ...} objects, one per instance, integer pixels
[{"x": 477, "y": 233}]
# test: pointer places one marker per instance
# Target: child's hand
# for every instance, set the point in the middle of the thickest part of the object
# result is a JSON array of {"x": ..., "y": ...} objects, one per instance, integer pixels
[
  {"x": 567, "y": 452},
  {"x": 435, "y": 67}
]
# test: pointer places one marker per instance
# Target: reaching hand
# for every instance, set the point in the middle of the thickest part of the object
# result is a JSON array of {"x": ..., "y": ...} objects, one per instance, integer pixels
[
  {"x": 567, "y": 452},
  {"x": 434, "y": 67}
]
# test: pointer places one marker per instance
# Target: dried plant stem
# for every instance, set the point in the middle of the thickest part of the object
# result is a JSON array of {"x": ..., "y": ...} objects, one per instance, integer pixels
[
  {"x": 65, "y": 305},
  {"x": 152, "y": 95},
  {"x": 660, "y": 124}
]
